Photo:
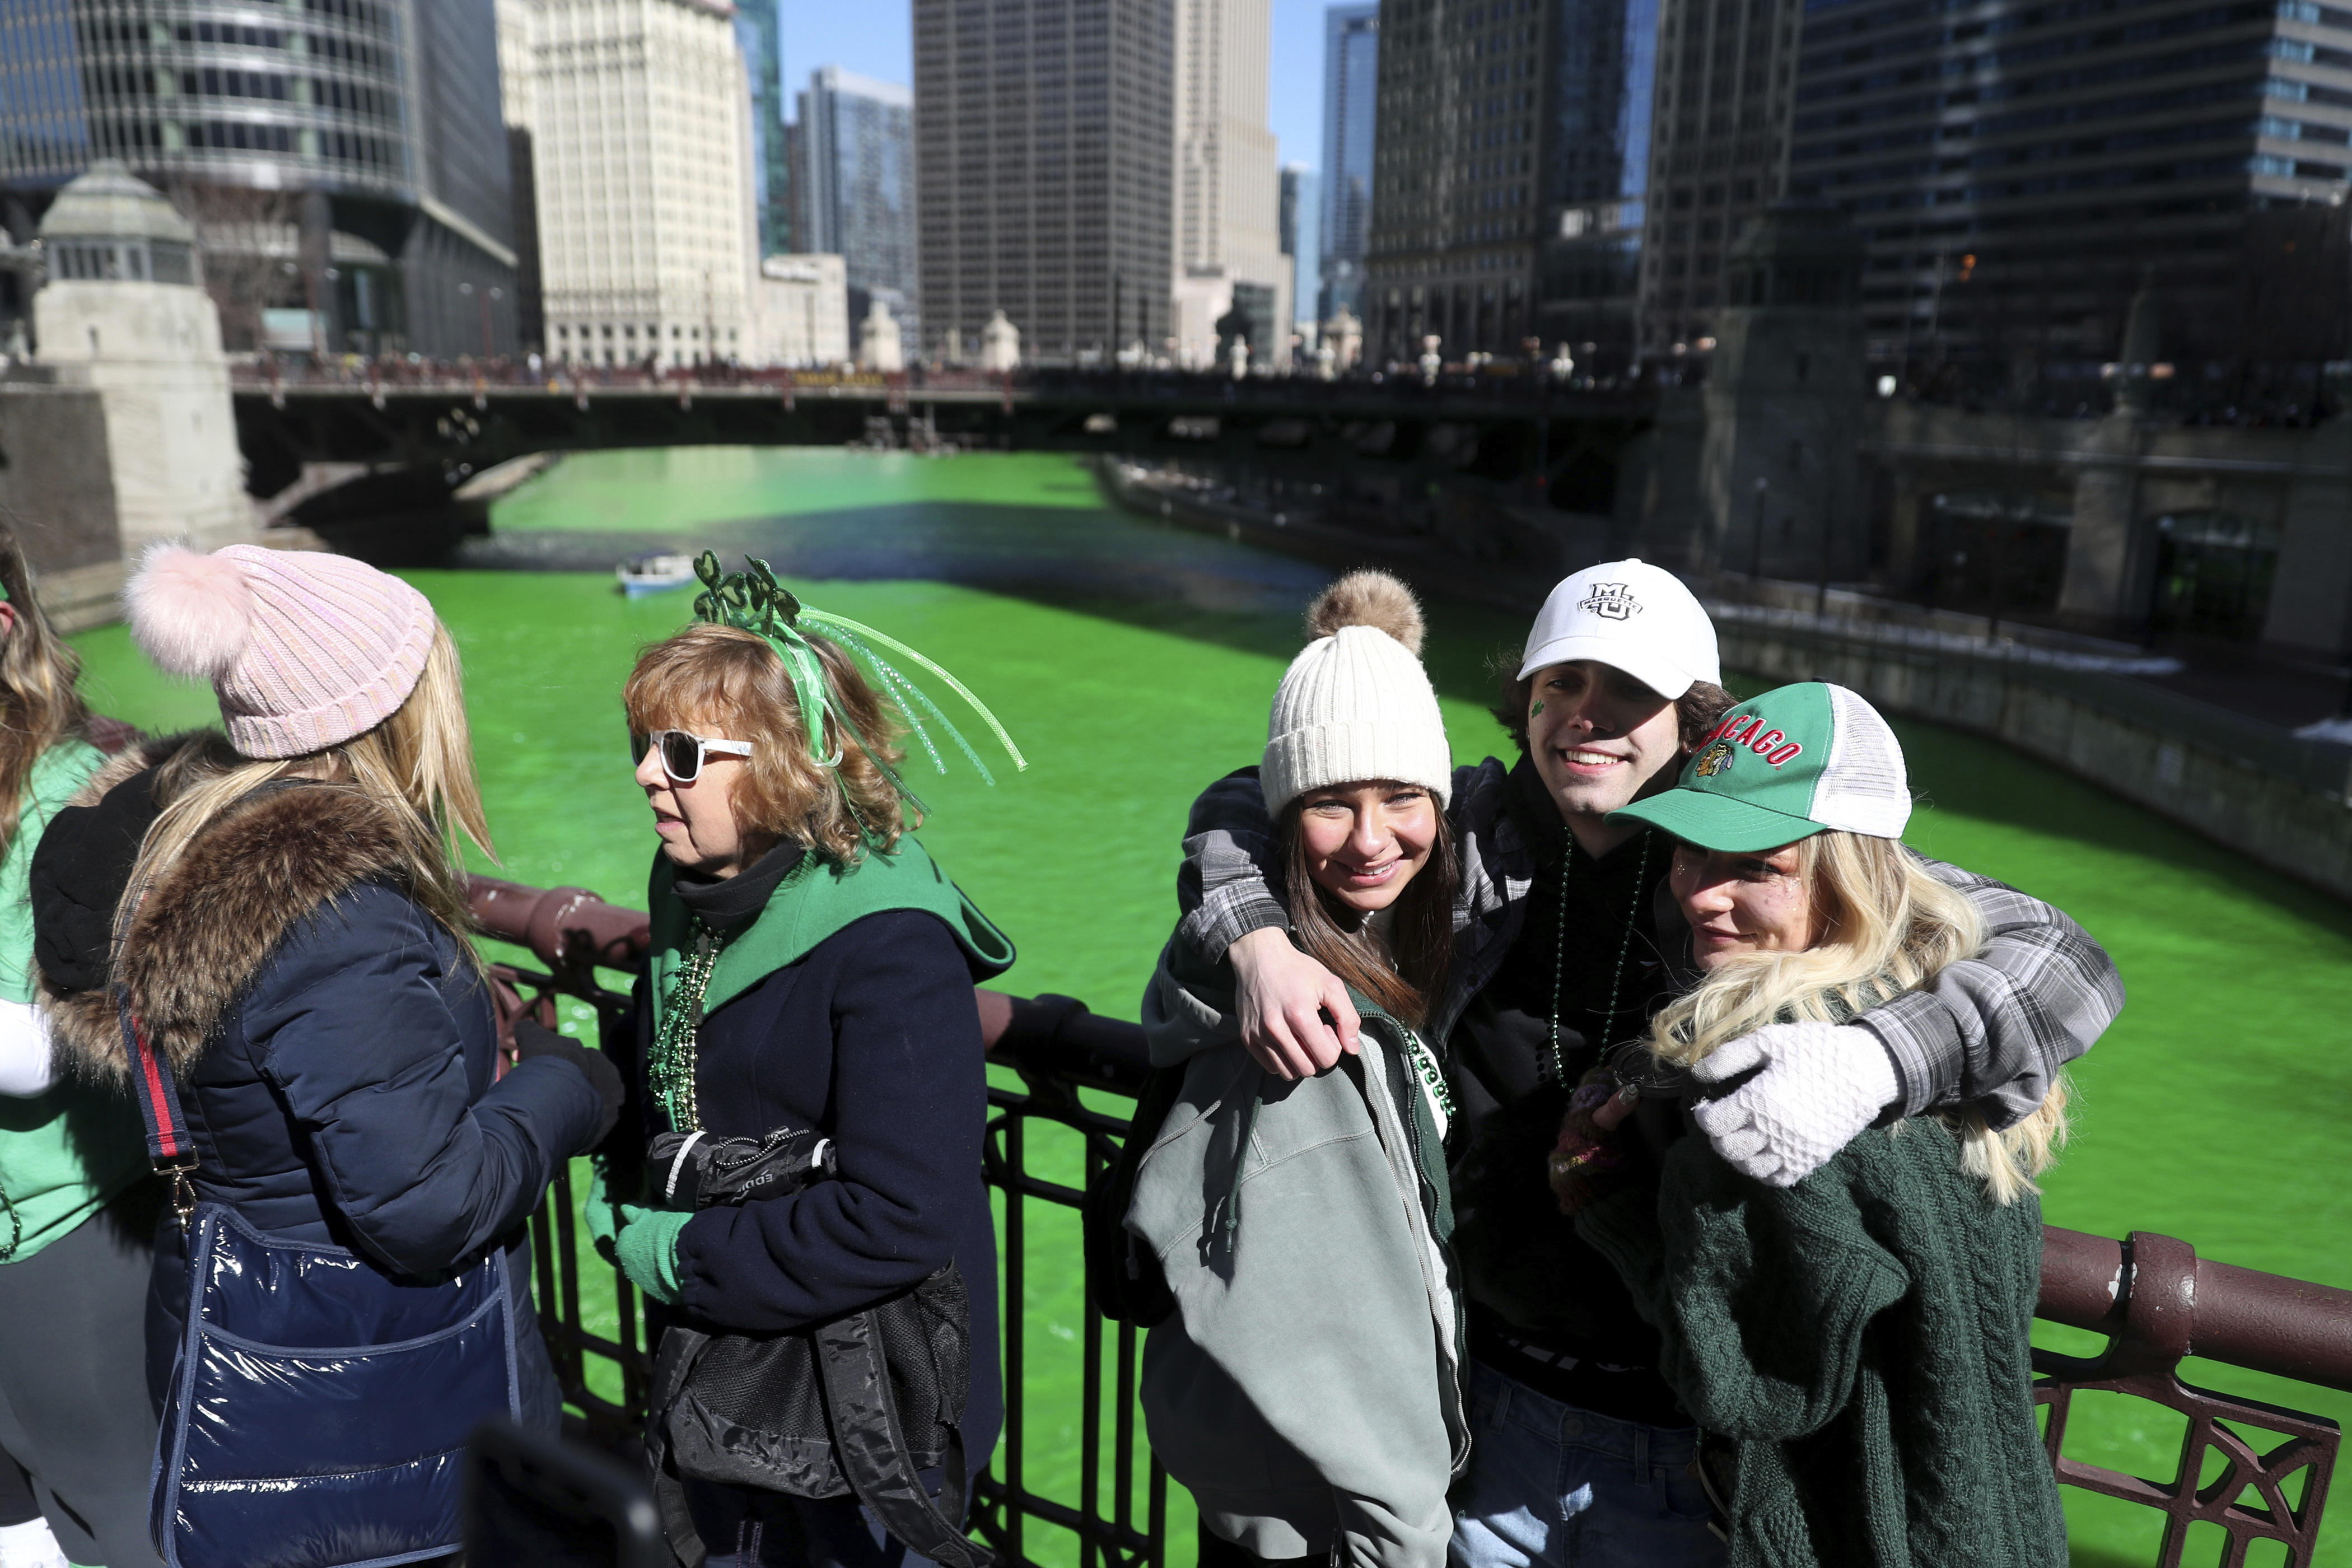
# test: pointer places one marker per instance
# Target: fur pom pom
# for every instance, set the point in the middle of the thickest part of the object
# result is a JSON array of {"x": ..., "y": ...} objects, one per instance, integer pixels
[
  {"x": 189, "y": 613},
  {"x": 1367, "y": 599}
]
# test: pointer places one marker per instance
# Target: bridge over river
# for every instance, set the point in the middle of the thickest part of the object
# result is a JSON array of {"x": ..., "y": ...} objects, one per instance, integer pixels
[{"x": 1513, "y": 430}]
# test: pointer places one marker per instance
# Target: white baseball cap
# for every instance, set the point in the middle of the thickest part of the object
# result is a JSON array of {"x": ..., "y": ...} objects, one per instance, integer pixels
[{"x": 1632, "y": 616}]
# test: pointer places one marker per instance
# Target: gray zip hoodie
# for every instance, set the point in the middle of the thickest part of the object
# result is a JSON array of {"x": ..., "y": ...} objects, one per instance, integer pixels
[{"x": 1308, "y": 1390}]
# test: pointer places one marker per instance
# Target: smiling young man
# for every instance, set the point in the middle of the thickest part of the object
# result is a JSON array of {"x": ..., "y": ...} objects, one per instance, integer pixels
[{"x": 1565, "y": 941}]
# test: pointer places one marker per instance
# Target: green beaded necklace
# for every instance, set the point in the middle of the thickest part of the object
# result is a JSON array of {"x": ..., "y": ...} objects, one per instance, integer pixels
[
  {"x": 673, "y": 1066},
  {"x": 1560, "y": 949}
]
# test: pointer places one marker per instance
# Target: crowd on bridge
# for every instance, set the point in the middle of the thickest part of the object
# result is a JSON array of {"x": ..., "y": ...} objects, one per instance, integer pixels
[{"x": 1623, "y": 1152}]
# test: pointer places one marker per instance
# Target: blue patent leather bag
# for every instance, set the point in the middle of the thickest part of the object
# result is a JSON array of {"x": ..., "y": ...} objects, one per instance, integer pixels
[{"x": 319, "y": 1409}]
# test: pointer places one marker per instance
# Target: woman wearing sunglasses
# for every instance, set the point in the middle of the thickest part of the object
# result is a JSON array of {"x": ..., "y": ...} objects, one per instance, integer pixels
[{"x": 808, "y": 1010}]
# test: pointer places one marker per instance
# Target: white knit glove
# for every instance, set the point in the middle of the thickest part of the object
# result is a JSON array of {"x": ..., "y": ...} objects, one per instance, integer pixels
[{"x": 1821, "y": 1084}]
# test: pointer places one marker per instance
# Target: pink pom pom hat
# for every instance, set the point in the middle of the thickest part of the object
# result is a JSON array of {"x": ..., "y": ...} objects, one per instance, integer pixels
[{"x": 305, "y": 650}]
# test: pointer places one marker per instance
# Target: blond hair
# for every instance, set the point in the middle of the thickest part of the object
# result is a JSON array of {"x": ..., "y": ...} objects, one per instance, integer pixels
[
  {"x": 1888, "y": 927},
  {"x": 39, "y": 705},
  {"x": 418, "y": 766},
  {"x": 731, "y": 680}
]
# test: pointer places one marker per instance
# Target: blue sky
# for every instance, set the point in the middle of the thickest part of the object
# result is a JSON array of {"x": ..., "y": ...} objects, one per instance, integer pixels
[{"x": 877, "y": 39}]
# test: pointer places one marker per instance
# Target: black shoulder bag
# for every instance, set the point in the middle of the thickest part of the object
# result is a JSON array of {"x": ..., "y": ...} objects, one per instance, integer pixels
[
  {"x": 857, "y": 1406},
  {"x": 1123, "y": 1279}
]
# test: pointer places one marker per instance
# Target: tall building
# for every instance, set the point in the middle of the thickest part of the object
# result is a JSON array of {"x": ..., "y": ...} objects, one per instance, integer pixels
[
  {"x": 855, "y": 154},
  {"x": 1229, "y": 280},
  {"x": 357, "y": 143},
  {"x": 1351, "y": 68},
  {"x": 1302, "y": 237},
  {"x": 2016, "y": 179},
  {"x": 1594, "y": 167},
  {"x": 1512, "y": 158},
  {"x": 1044, "y": 153},
  {"x": 1724, "y": 86},
  {"x": 639, "y": 121},
  {"x": 759, "y": 33}
]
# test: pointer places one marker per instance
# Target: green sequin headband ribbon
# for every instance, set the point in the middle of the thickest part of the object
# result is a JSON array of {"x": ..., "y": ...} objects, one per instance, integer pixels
[{"x": 754, "y": 601}]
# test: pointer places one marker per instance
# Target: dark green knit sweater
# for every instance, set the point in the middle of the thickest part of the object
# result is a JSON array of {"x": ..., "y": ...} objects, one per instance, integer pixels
[{"x": 1862, "y": 1337}]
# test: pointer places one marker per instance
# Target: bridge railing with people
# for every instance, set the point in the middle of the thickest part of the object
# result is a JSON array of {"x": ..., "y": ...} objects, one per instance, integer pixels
[{"x": 2257, "y": 1472}]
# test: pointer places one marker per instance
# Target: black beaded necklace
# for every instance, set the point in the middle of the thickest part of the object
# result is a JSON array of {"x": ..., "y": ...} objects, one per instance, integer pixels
[{"x": 1560, "y": 947}]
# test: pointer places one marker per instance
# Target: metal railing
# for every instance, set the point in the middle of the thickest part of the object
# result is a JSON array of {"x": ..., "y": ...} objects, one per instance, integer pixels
[{"x": 2154, "y": 1299}]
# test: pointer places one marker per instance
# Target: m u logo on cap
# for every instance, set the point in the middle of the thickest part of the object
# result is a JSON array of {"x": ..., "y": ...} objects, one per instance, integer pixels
[{"x": 1614, "y": 600}]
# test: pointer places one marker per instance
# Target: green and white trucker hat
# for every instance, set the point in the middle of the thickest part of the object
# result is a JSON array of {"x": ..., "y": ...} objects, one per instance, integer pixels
[{"x": 1784, "y": 766}]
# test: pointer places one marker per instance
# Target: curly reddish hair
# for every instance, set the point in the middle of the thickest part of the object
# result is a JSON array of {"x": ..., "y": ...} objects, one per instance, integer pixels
[{"x": 721, "y": 680}]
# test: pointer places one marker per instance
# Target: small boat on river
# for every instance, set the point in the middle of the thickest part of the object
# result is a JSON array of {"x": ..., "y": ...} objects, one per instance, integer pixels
[{"x": 655, "y": 573}]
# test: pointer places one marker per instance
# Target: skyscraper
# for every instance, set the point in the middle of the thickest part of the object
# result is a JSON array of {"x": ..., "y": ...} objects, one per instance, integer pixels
[
  {"x": 1513, "y": 153},
  {"x": 855, "y": 157},
  {"x": 1302, "y": 237},
  {"x": 1352, "y": 67},
  {"x": 1722, "y": 107},
  {"x": 759, "y": 33},
  {"x": 639, "y": 122},
  {"x": 1044, "y": 152},
  {"x": 2017, "y": 180},
  {"x": 359, "y": 143},
  {"x": 1229, "y": 280}
]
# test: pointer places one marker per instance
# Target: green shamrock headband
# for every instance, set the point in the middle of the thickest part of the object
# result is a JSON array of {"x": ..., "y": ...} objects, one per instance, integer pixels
[{"x": 754, "y": 601}]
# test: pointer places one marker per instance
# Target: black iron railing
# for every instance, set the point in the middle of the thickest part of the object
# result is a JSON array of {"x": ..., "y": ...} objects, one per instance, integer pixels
[{"x": 2154, "y": 1299}]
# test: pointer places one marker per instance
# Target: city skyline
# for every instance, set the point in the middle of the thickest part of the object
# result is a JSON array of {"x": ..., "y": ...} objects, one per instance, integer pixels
[{"x": 878, "y": 42}]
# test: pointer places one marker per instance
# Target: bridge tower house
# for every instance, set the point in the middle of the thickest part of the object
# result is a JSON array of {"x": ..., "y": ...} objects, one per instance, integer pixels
[{"x": 121, "y": 314}]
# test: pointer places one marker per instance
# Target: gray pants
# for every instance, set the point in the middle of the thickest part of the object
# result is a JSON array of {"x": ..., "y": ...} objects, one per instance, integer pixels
[{"x": 73, "y": 1380}]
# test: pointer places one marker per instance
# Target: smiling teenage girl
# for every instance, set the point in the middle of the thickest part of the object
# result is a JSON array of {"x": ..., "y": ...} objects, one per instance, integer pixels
[
  {"x": 1860, "y": 1337},
  {"x": 1320, "y": 1204}
]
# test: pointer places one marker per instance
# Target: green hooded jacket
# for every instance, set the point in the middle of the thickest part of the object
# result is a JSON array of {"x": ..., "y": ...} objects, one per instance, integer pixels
[{"x": 1273, "y": 1206}]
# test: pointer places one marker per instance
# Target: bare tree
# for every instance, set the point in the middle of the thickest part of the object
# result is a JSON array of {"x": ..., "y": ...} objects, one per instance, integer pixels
[{"x": 249, "y": 241}]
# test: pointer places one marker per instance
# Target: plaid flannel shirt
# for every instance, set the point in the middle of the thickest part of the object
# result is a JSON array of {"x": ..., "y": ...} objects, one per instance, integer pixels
[{"x": 1992, "y": 1031}]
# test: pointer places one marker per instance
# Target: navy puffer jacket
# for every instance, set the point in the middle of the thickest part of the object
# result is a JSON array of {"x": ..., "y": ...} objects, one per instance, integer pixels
[{"x": 336, "y": 1048}]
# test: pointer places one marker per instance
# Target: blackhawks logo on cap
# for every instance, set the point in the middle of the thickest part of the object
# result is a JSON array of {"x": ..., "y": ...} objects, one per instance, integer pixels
[{"x": 1714, "y": 760}]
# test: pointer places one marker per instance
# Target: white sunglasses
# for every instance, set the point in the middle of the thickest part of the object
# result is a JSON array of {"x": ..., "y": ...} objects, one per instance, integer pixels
[{"x": 682, "y": 753}]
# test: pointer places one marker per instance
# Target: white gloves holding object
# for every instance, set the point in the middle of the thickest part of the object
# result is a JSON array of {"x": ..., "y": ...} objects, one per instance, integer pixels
[{"x": 1821, "y": 1084}]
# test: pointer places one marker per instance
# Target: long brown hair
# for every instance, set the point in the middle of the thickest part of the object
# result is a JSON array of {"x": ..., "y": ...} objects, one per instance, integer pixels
[
  {"x": 1403, "y": 974},
  {"x": 39, "y": 705},
  {"x": 730, "y": 679}
]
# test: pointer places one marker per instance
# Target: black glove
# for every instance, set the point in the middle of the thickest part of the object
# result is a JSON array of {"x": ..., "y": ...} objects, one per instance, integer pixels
[{"x": 533, "y": 1039}]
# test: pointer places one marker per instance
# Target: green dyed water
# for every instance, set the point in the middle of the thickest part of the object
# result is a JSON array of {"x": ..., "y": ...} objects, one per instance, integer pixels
[{"x": 1133, "y": 663}]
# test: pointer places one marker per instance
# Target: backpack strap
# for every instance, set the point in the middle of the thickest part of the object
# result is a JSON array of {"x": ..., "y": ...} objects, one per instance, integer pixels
[{"x": 870, "y": 1446}]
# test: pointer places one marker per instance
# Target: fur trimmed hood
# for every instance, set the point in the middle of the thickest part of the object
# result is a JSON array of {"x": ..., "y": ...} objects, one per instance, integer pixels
[{"x": 207, "y": 927}]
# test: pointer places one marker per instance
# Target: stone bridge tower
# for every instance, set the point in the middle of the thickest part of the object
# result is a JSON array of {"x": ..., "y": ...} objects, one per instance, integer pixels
[
  {"x": 1784, "y": 398},
  {"x": 122, "y": 315}
]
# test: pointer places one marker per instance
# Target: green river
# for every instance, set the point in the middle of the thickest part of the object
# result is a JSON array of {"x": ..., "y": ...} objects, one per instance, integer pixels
[{"x": 1133, "y": 662}]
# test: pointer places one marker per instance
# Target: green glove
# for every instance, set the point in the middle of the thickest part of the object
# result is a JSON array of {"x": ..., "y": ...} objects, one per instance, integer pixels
[
  {"x": 600, "y": 1214},
  {"x": 647, "y": 1251}
]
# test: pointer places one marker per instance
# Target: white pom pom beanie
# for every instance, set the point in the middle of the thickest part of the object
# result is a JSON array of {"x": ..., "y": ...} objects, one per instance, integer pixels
[
  {"x": 1354, "y": 706},
  {"x": 304, "y": 649}
]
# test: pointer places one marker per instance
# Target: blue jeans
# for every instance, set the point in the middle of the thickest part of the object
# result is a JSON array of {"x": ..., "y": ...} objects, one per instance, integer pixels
[{"x": 1552, "y": 1486}]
